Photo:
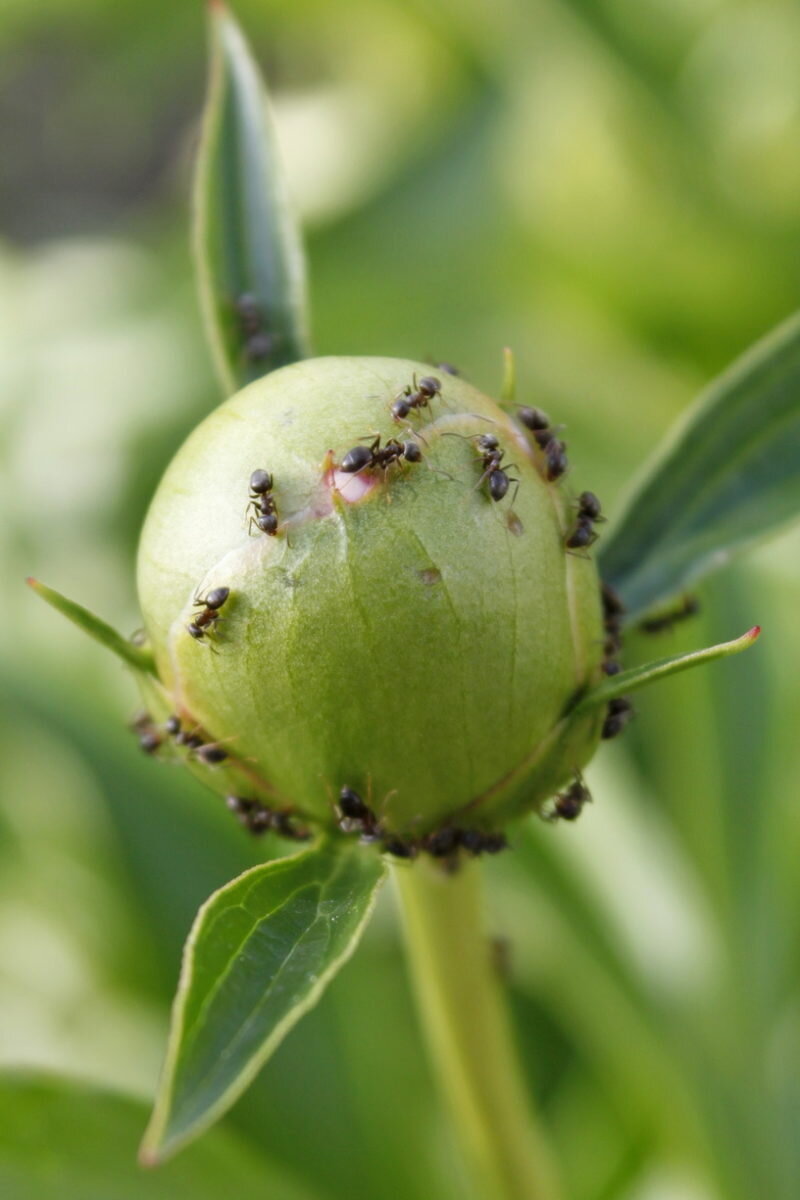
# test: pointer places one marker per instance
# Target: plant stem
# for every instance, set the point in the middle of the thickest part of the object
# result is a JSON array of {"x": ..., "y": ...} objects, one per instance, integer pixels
[{"x": 466, "y": 1025}]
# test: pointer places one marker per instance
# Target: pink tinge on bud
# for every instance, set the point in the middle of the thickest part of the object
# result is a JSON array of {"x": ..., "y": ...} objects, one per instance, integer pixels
[{"x": 351, "y": 487}]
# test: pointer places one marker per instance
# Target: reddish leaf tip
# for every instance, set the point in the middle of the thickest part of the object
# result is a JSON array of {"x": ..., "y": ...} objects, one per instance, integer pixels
[
  {"x": 753, "y": 633},
  {"x": 148, "y": 1158}
]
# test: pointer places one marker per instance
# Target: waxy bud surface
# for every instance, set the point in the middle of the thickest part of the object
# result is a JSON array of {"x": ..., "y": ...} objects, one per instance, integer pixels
[{"x": 402, "y": 634}]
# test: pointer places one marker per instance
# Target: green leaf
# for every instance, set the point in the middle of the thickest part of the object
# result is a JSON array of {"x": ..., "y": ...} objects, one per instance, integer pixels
[
  {"x": 260, "y": 954},
  {"x": 728, "y": 476},
  {"x": 638, "y": 677},
  {"x": 135, "y": 656},
  {"x": 64, "y": 1140},
  {"x": 248, "y": 255}
]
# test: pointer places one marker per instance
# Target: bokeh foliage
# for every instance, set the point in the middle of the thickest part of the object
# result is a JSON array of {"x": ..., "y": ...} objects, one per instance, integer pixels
[{"x": 613, "y": 189}]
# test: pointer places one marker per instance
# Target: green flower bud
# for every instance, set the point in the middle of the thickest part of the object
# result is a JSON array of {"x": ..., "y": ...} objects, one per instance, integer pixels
[{"x": 414, "y": 629}]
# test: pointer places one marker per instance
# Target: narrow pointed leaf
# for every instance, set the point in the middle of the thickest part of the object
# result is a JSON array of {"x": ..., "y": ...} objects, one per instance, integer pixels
[
  {"x": 260, "y": 954},
  {"x": 248, "y": 255},
  {"x": 637, "y": 677},
  {"x": 728, "y": 476},
  {"x": 135, "y": 656}
]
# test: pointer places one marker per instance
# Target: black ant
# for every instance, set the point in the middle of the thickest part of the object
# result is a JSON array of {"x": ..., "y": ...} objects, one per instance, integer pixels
[
  {"x": 415, "y": 396},
  {"x": 379, "y": 457},
  {"x": 210, "y": 753},
  {"x": 533, "y": 419},
  {"x": 356, "y": 816},
  {"x": 477, "y": 842},
  {"x": 192, "y": 740},
  {"x": 397, "y": 847},
  {"x": 589, "y": 512},
  {"x": 258, "y": 819},
  {"x": 555, "y": 455},
  {"x": 491, "y": 459},
  {"x": 613, "y": 612},
  {"x": 555, "y": 451},
  {"x": 205, "y": 621},
  {"x": 446, "y": 842},
  {"x": 688, "y": 607},
  {"x": 257, "y": 342},
  {"x": 569, "y": 804},
  {"x": 263, "y": 502},
  {"x": 620, "y": 711},
  {"x": 149, "y": 737}
]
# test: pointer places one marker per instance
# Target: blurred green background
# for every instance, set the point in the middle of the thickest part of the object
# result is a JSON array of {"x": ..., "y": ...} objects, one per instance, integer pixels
[{"x": 612, "y": 189}]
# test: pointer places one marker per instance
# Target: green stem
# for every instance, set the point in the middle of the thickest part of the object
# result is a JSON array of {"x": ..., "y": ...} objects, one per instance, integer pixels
[{"x": 466, "y": 1025}]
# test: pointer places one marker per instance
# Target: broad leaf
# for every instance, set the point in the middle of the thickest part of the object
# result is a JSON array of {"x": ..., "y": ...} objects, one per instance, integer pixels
[
  {"x": 729, "y": 475},
  {"x": 135, "y": 656},
  {"x": 64, "y": 1140},
  {"x": 260, "y": 954},
  {"x": 248, "y": 255},
  {"x": 638, "y": 677}
]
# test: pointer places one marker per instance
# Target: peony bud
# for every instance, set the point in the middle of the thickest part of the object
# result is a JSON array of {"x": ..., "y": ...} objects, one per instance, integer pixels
[{"x": 404, "y": 619}]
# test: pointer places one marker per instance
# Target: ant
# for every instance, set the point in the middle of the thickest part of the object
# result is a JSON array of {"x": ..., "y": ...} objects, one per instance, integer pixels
[
  {"x": 688, "y": 607},
  {"x": 569, "y": 804},
  {"x": 555, "y": 451},
  {"x": 149, "y": 737},
  {"x": 613, "y": 611},
  {"x": 263, "y": 503},
  {"x": 445, "y": 842},
  {"x": 356, "y": 815},
  {"x": 210, "y": 753},
  {"x": 555, "y": 454},
  {"x": 205, "y": 621},
  {"x": 589, "y": 512},
  {"x": 192, "y": 740},
  {"x": 619, "y": 713},
  {"x": 534, "y": 420},
  {"x": 477, "y": 842},
  {"x": 397, "y": 847},
  {"x": 379, "y": 457},
  {"x": 491, "y": 459},
  {"x": 416, "y": 395},
  {"x": 257, "y": 819},
  {"x": 257, "y": 342}
]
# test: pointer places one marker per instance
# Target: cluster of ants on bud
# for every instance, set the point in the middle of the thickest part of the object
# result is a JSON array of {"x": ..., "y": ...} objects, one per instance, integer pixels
[
  {"x": 258, "y": 819},
  {"x": 356, "y": 817},
  {"x": 620, "y": 710},
  {"x": 555, "y": 451},
  {"x": 200, "y": 747}
]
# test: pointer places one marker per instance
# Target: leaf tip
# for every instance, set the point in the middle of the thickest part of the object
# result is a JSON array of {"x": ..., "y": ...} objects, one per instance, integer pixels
[
  {"x": 148, "y": 1158},
  {"x": 753, "y": 633}
]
